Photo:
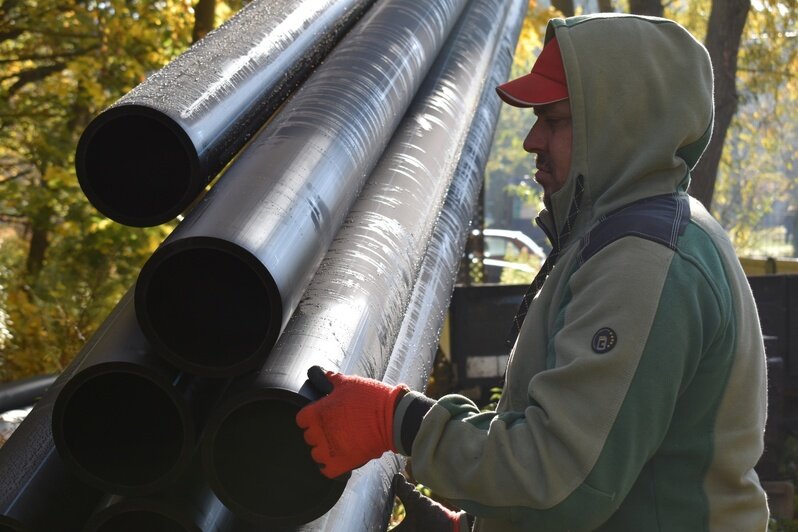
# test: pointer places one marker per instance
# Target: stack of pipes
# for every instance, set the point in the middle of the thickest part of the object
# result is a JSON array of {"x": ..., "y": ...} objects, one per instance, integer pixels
[{"x": 332, "y": 238}]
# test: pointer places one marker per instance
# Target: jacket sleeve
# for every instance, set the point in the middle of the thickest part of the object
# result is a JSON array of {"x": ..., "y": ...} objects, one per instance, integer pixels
[{"x": 627, "y": 339}]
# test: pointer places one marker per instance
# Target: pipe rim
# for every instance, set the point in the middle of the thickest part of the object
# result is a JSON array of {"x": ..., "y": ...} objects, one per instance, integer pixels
[
  {"x": 153, "y": 385},
  {"x": 162, "y": 513},
  {"x": 330, "y": 490},
  {"x": 8, "y": 524},
  {"x": 261, "y": 287},
  {"x": 95, "y": 144}
]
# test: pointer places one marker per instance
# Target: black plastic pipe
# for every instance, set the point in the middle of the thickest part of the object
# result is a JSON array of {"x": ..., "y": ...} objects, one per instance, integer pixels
[
  {"x": 145, "y": 159},
  {"x": 24, "y": 392},
  {"x": 161, "y": 514},
  {"x": 367, "y": 501},
  {"x": 38, "y": 492},
  {"x": 214, "y": 297},
  {"x": 188, "y": 505},
  {"x": 350, "y": 314},
  {"x": 127, "y": 422}
]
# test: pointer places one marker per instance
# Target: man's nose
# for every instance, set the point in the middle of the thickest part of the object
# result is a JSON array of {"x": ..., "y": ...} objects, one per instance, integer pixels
[{"x": 534, "y": 141}]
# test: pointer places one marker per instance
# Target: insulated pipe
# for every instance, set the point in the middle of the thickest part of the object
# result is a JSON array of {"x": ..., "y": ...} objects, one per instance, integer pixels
[
  {"x": 367, "y": 500},
  {"x": 214, "y": 297},
  {"x": 24, "y": 392},
  {"x": 352, "y": 310},
  {"x": 143, "y": 160},
  {"x": 127, "y": 422}
]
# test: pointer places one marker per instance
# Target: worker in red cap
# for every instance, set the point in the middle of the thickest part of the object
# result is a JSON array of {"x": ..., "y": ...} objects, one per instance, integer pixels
[{"x": 635, "y": 392}]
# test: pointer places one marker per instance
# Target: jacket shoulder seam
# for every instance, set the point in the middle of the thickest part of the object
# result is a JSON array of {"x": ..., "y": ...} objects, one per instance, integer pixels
[{"x": 660, "y": 219}]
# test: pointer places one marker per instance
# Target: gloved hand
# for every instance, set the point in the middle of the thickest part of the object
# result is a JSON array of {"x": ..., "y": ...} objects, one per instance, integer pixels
[
  {"x": 422, "y": 514},
  {"x": 351, "y": 425}
]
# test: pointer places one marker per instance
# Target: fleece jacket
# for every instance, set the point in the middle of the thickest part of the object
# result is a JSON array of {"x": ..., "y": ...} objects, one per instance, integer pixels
[{"x": 635, "y": 394}]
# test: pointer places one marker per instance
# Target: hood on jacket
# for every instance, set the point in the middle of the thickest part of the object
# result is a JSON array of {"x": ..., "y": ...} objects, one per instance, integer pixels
[{"x": 642, "y": 111}]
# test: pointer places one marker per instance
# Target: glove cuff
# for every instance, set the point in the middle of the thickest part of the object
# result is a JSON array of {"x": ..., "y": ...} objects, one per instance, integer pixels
[
  {"x": 394, "y": 398},
  {"x": 410, "y": 411}
]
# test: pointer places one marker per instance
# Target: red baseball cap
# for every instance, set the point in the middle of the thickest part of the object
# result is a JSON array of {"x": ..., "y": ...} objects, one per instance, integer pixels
[{"x": 544, "y": 85}]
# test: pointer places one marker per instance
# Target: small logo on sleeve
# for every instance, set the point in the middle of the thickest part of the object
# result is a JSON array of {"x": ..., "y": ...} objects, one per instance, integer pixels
[{"x": 604, "y": 340}]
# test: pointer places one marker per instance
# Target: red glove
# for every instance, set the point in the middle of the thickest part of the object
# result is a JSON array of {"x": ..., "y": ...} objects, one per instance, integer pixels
[
  {"x": 422, "y": 514},
  {"x": 351, "y": 425}
]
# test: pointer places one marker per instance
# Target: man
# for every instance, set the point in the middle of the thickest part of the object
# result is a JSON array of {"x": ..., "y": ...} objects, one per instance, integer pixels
[{"x": 635, "y": 393}]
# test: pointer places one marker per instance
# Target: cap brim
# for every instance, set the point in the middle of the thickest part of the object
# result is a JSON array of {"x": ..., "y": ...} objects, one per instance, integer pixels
[{"x": 531, "y": 90}]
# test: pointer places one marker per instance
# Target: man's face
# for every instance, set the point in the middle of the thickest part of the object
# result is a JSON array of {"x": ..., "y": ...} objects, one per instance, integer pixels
[{"x": 550, "y": 139}]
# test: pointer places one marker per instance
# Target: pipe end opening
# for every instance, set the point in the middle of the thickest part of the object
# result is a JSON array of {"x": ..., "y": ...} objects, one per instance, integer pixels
[
  {"x": 263, "y": 469},
  {"x": 136, "y": 169},
  {"x": 124, "y": 433},
  {"x": 209, "y": 311}
]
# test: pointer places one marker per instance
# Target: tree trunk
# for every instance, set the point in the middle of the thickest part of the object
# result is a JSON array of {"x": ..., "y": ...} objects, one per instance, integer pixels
[
  {"x": 38, "y": 226},
  {"x": 646, "y": 7},
  {"x": 724, "y": 31},
  {"x": 565, "y": 6},
  {"x": 605, "y": 6},
  {"x": 204, "y": 18},
  {"x": 39, "y": 242}
]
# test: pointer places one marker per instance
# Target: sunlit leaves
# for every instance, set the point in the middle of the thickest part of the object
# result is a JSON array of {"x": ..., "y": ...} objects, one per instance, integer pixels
[
  {"x": 757, "y": 175},
  {"x": 62, "y": 265}
]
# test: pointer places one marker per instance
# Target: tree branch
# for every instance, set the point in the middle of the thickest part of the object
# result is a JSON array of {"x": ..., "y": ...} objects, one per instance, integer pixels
[
  {"x": 11, "y": 34},
  {"x": 15, "y": 177},
  {"x": 12, "y": 219},
  {"x": 39, "y": 31},
  {"x": 566, "y": 7},
  {"x": 787, "y": 74},
  {"x": 35, "y": 74},
  {"x": 8, "y": 5},
  {"x": 23, "y": 170},
  {"x": 30, "y": 115},
  {"x": 646, "y": 7},
  {"x": 47, "y": 57},
  {"x": 204, "y": 18},
  {"x": 605, "y": 6}
]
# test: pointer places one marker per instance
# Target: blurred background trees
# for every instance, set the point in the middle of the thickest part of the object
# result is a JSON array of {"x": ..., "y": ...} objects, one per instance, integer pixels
[{"x": 63, "y": 266}]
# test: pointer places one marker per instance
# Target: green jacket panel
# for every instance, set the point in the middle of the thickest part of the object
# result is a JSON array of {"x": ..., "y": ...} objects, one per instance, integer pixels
[{"x": 625, "y": 437}]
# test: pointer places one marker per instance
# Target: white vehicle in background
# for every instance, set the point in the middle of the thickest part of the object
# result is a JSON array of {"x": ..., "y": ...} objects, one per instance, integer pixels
[{"x": 511, "y": 252}]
